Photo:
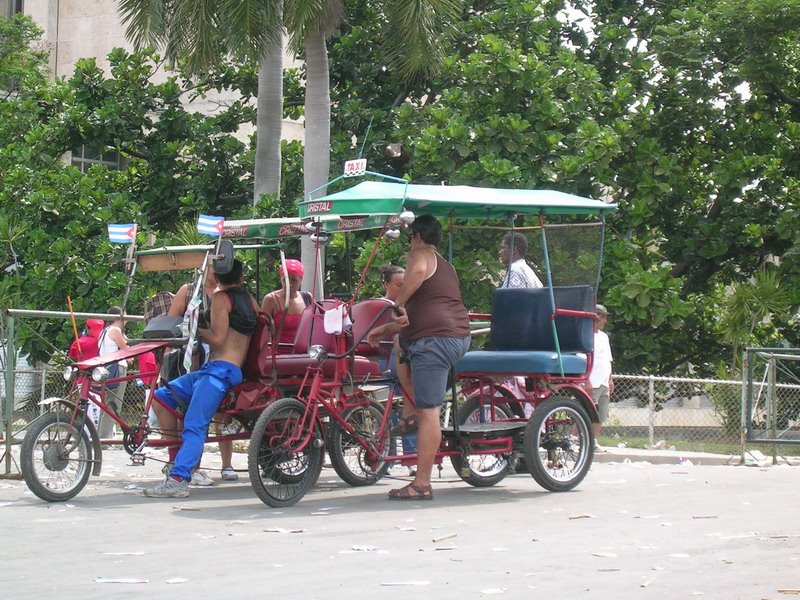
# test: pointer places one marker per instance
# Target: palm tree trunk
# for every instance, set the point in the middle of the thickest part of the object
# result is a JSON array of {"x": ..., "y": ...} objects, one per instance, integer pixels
[
  {"x": 269, "y": 118},
  {"x": 317, "y": 156}
]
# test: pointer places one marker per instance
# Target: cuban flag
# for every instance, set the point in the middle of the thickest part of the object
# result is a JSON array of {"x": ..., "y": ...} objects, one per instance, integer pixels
[
  {"x": 123, "y": 233},
  {"x": 210, "y": 225}
]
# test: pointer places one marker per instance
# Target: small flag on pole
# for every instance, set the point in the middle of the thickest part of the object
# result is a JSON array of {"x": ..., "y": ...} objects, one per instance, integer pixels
[
  {"x": 210, "y": 225},
  {"x": 123, "y": 233}
]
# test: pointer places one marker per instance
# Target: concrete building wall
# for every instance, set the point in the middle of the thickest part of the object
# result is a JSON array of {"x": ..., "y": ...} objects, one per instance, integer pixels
[{"x": 75, "y": 29}]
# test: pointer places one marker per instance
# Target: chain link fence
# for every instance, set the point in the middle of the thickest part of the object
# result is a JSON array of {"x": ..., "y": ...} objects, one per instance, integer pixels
[
  {"x": 703, "y": 415},
  {"x": 33, "y": 386},
  {"x": 645, "y": 411}
]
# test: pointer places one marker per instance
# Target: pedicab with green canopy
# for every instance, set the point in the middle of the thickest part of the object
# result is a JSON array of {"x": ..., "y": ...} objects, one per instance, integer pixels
[{"x": 521, "y": 395}]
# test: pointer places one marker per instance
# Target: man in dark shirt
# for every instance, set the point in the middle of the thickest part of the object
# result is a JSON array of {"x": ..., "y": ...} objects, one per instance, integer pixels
[
  {"x": 435, "y": 333},
  {"x": 233, "y": 321}
]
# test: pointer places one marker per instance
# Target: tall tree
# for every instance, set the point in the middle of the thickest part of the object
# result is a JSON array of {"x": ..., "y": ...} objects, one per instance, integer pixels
[
  {"x": 200, "y": 33},
  {"x": 417, "y": 30}
]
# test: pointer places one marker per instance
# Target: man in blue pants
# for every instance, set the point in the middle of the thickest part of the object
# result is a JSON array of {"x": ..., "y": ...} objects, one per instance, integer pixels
[{"x": 231, "y": 323}]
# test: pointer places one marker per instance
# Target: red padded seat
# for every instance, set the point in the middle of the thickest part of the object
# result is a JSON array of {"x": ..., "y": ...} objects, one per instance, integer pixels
[
  {"x": 311, "y": 332},
  {"x": 257, "y": 363},
  {"x": 367, "y": 315}
]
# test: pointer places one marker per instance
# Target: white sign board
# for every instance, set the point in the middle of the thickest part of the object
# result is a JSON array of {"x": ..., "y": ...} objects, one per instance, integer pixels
[{"x": 353, "y": 168}]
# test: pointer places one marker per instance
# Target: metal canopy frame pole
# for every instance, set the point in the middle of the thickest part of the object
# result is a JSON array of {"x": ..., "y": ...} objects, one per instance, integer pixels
[{"x": 552, "y": 295}]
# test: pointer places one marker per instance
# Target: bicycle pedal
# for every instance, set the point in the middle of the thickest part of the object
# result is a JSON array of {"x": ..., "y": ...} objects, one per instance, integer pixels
[
  {"x": 465, "y": 472},
  {"x": 137, "y": 459}
]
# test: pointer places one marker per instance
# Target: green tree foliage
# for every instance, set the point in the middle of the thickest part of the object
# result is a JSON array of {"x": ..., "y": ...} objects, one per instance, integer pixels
[
  {"x": 684, "y": 112},
  {"x": 175, "y": 163}
]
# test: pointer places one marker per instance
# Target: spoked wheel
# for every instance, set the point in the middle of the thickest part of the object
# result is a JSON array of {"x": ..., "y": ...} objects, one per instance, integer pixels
[
  {"x": 285, "y": 457},
  {"x": 349, "y": 459},
  {"x": 559, "y": 444},
  {"x": 485, "y": 470},
  {"x": 56, "y": 457}
]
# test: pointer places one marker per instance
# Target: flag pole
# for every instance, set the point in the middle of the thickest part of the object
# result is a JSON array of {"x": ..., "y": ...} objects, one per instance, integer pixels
[
  {"x": 74, "y": 326},
  {"x": 130, "y": 271}
]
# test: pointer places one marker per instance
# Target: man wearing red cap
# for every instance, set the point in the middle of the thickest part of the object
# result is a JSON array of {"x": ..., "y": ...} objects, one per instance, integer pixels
[{"x": 85, "y": 347}]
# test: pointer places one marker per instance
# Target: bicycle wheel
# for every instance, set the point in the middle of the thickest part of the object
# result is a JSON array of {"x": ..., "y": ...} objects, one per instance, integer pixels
[
  {"x": 348, "y": 457},
  {"x": 282, "y": 462},
  {"x": 559, "y": 444},
  {"x": 56, "y": 457},
  {"x": 485, "y": 470}
]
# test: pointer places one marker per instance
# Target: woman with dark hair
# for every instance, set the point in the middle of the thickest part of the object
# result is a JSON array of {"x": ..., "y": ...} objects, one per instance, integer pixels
[{"x": 392, "y": 277}]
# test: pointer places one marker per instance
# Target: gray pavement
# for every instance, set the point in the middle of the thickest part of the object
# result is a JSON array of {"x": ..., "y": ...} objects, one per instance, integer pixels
[{"x": 632, "y": 529}]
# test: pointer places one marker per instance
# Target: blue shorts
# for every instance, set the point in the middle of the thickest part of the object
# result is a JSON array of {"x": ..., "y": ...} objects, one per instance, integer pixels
[{"x": 431, "y": 360}]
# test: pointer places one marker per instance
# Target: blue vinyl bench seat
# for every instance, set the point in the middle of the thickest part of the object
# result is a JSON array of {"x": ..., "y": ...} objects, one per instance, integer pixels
[
  {"x": 522, "y": 334},
  {"x": 520, "y": 362}
]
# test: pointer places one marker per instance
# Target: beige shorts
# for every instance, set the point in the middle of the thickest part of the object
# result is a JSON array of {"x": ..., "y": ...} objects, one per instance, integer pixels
[{"x": 601, "y": 397}]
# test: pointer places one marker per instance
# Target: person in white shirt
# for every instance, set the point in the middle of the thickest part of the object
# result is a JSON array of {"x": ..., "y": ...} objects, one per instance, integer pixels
[
  {"x": 110, "y": 340},
  {"x": 519, "y": 274},
  {"x": 601, "y": 383}
]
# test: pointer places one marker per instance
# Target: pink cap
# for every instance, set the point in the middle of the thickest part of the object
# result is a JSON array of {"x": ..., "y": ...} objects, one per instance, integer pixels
[{"x": 294, "y": 267}]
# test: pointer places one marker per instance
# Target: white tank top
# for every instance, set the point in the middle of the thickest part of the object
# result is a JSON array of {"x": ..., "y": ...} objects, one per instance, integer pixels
[{"x": 106, "y": 345}]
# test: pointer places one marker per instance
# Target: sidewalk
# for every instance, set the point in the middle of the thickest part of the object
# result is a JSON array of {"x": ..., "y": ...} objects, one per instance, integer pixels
[{"x": 613, "y": 454}]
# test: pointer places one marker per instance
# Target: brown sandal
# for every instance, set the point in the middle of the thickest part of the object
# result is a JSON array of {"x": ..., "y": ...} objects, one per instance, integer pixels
[
  {"x": 406, "y": 426},
  {"x": 412, "y": 492}
]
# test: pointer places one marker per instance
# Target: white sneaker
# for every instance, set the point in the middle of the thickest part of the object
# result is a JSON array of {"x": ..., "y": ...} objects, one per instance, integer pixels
[
  {"x": 169, "y": 488},
  {"x": 228, "y": 474},
  {"x": 201, "y": 478}
]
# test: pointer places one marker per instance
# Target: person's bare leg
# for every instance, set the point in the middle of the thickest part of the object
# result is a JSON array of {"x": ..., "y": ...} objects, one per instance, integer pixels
[
  {"x": 225, "y": 451},
  {"x": 429, "y": 436},
  {"x": 404, "y": 377},
  {"x": 167, "y": 421},
  {"x": 169, "y": 426}
]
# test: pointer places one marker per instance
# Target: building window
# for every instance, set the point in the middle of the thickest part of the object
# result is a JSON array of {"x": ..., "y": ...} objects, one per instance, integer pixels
[
  {"x": 85, "y": 156},
  {"x": 10, "y": 7}
]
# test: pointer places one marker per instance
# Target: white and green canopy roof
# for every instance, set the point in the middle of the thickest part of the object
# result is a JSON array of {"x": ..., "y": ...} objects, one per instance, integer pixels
[{"x": 374, "y": 198}]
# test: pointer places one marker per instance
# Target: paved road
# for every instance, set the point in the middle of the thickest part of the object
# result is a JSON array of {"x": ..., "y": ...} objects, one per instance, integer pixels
[{"x": 630, "y": 530}]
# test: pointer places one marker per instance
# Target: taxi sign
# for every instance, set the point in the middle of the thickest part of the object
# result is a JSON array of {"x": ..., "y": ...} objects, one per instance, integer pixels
[{"x": 354, "y": 168}]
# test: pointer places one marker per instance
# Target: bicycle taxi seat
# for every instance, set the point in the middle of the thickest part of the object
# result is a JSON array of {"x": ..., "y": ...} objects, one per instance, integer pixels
[
  {"x": 522, "y": 334},
  {"x": 310, "y": 332}
]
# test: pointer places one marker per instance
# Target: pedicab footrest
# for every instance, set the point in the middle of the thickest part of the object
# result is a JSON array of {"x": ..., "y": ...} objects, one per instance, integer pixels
[
  {"x": 487, "y": 430},
  {"x": 520, "y": 362}
]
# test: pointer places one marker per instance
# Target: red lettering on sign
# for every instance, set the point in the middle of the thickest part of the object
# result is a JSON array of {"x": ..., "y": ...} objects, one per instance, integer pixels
[
  {"x": 318, "y": 207},
  {"x": 291, "y": 229},
  {"x": 234, "y": 232},
  {"x": 350, "y": 223}
]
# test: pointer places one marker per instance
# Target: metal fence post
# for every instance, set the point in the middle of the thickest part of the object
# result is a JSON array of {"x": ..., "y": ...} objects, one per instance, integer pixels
[
  {"x": 747, "y": 379},
  {"x": 651, "y": 403},
  {"x": 42, "y": 391},
  {"x": 11, "y": 355},
  {"x": 772, "y": 406}
]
